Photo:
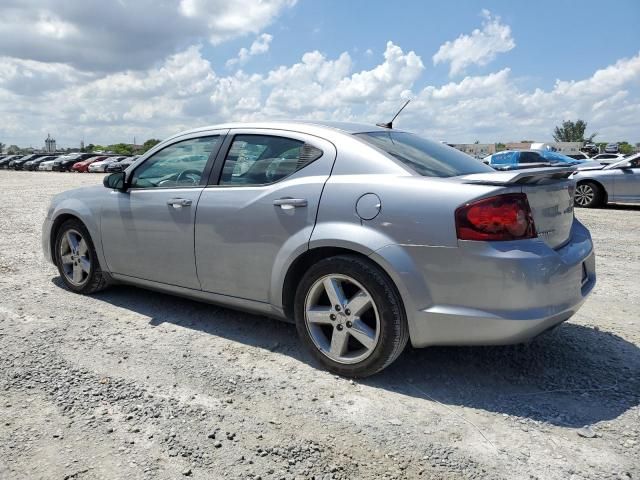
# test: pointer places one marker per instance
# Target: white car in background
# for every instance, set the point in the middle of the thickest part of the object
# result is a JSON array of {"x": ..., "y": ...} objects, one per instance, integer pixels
[
  {"x": 607, "y": 158},
  {"x": 101, "y": 166},
  {"x": 48, "y": 165}
]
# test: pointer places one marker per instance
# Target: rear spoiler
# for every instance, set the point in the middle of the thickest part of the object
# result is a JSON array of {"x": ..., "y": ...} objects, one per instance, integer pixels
[{"x": 518, "y": 177}]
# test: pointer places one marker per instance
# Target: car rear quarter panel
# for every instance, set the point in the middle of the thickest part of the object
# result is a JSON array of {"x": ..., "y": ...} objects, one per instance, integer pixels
[{"x": 416, "y": 214}]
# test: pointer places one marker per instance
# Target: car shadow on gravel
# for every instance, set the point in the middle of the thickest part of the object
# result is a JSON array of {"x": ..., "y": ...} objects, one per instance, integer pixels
[
  {"x": 622, "y": 206},
  {"x": 572, "y": 376}
]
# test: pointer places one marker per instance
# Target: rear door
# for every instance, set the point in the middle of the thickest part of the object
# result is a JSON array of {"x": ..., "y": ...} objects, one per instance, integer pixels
[
  {"x": 148, "y": 231},
  {"x": 261, "y": 203}
]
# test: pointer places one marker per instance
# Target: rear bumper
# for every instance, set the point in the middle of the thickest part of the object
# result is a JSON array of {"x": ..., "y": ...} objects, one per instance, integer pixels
[{"x": 495, "y": 293}]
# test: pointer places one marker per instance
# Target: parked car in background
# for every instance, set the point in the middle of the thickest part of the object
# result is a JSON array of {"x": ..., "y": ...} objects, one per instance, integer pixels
[
  {"x": 612, "y": 148},
  {"x": 519, "y": 159},
  {"x": 18, "y": 159},
  {"x": 83, "y": 166},
  {"x": 35, "y": 163},
  {"x": 101, "y": 165},
  {"x": 590, "y": 149},
  {"x": 607, "y": 158},
  {"x": 4, "y": 163},
  {"x": 64, "y": 164},
  {"x": 619, "y": 182},
  {"x": 121, "y": 165},
  {"x": 324, "y": 224},
  {"x": 559, "y": 159},
  {"x": 19, "y": 164},
  {"x": 47, "y": 165}
]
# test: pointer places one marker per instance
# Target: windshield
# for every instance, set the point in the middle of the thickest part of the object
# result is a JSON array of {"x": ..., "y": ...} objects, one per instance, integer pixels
[{"x": 427, "y": 158}]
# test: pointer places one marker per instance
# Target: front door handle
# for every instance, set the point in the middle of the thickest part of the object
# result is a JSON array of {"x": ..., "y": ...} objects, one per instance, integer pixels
[
  {"x": 288, "y": 203},
  {"x": 179, "y": 202}
]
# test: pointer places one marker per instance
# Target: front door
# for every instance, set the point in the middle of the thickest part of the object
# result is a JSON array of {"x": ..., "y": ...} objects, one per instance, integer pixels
[
  {"x": 148, "y": 231},
  {"x": 263, "y": 203},
  {"x": 626, "y": 183}
]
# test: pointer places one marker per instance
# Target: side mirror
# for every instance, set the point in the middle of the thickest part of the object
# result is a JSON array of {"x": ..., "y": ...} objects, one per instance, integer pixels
[{"x": 115, "y": 181}]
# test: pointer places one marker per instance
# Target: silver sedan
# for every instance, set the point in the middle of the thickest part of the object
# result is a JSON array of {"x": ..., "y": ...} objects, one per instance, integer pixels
[
  {"x": 617, "y": 182},
  {"x": 365, "y": 237}
]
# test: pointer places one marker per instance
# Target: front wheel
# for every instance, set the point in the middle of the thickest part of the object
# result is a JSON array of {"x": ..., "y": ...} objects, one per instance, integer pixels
[
  {"x": 588, "y": 195},
  {"x": 350, "y": 316}
]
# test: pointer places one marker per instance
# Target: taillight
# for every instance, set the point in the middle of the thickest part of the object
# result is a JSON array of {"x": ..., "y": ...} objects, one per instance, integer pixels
[{"x": 503, "y": 217}]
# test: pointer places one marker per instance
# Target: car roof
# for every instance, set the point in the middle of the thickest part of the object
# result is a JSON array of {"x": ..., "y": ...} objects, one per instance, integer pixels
[{"x": 303, "y": 126}]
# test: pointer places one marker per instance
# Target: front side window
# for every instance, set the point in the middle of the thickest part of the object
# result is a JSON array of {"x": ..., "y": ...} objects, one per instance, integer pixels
[
  {"x": 427, "y": 158},
  {"x": 264, "y": 159},
  {"x": 178, "y": 165}
]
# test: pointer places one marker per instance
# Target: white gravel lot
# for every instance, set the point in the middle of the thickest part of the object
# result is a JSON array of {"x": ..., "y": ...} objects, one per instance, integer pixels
[{"x": 134, "y": 384}]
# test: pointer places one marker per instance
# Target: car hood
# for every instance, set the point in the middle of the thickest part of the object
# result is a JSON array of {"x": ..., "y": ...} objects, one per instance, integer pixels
[{"x": 82, "y": 192}]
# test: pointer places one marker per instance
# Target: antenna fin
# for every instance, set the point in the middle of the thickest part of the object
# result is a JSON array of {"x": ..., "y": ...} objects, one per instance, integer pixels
[{"x": 389, "y": 125}]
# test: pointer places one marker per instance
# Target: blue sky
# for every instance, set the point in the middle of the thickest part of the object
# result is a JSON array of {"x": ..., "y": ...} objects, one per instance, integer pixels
[
  {"x": 489, "y": 71},
  {"x": 554, "y": 39}
]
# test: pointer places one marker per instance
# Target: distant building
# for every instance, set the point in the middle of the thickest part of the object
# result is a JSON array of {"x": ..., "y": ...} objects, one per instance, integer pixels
[
  {"x": 49, "y": 144},
  {"x": 477, "y": 150}
]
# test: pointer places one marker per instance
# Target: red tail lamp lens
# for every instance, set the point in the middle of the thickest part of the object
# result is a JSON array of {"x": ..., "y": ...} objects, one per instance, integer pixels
[{"x": 503, "y": 217}]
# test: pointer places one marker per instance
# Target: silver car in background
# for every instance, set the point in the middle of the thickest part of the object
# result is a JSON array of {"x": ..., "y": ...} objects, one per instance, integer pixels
[
  {"x": 599, "y": 184},
  {"x": 365, "y": 237}
]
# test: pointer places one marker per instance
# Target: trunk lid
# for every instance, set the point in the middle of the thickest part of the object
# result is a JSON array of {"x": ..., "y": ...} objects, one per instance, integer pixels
[{"x": 550, "y": 194}]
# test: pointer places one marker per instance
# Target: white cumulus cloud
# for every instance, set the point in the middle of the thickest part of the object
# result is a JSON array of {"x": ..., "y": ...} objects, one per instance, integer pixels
[
  {"x": 259, "y": 46},
  {"x": 478, "y": 48}
]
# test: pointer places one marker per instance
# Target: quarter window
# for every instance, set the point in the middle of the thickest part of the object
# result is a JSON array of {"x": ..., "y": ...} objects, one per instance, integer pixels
[
  {"x": 263, "y": 159},
  {"x": 178, "y": 165}
]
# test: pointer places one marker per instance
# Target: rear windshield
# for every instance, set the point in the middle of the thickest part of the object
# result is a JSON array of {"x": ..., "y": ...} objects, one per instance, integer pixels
[{"x": 427, "y": 158}]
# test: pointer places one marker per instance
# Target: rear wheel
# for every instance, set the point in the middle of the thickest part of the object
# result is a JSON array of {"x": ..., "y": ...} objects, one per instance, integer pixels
[
  {"x": 76, "y": 259},
  {"x": 588, "y": 195},
  {"x": 350, "y": 316}
]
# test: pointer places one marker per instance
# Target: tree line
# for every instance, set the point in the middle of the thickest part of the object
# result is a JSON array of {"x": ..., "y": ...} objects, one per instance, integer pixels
[{"x": 570, "y": 131}]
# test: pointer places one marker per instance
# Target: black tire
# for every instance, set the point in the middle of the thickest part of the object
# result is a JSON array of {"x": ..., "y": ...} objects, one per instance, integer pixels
[
  {"x": 394, "y": 332},
  {"x": 583, "y": 190},
  {"x": 95, "y": 280}
]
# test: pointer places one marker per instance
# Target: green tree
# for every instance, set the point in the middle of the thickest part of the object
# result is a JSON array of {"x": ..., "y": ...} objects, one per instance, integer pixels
[
  {"x": 152, "y": 142},
  {"x": 13, "y": 149},
  {"x": 121, "y": 148},
  {"x": 625, "y": 148},
  {"x": 2, "y": 145},
  {"x": 500, "y": 147},
  {"x": 572, "y": 132}
]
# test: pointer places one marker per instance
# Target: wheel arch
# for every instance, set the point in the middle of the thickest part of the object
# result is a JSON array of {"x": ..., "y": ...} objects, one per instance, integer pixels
[{"x": 304, "y": 261}]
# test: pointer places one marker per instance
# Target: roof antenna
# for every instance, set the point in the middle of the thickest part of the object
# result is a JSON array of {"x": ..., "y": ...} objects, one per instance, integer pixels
[{"x": 390, "y": 124}]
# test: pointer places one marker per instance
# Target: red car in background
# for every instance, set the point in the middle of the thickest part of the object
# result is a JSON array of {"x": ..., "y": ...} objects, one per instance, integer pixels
[{"x": 83, "y": 166}]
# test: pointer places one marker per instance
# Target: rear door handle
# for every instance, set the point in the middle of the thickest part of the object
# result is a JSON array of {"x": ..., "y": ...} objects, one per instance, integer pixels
[
  {"x": 288, "y": 203},
  {"x": 179, "y": 202}
]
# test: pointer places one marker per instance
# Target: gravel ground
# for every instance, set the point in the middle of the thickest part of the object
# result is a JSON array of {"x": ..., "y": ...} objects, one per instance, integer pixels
[{"x": 135, "y": 384}]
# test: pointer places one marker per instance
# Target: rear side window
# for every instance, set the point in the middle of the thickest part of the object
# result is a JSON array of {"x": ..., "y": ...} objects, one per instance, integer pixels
[
  {"x": 265, "y": 159},
  {"x": 530, "y": 157},
  {"x": 427, "y": 158}
]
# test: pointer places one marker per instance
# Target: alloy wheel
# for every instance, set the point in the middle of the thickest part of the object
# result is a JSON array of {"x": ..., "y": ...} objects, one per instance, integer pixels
[
  {"x": 342, "y": 319},
  {"x": 74, "y": 257},
  {"x": 584, "y": 194}
]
